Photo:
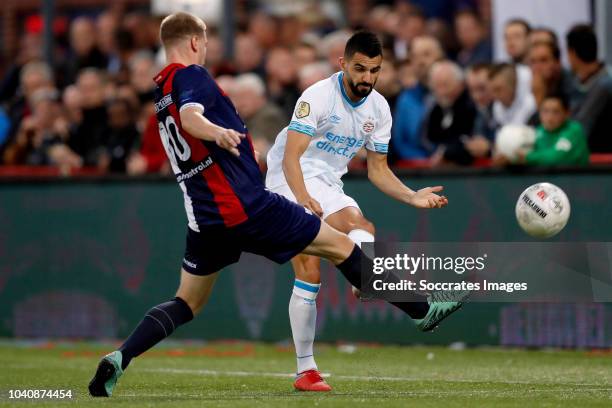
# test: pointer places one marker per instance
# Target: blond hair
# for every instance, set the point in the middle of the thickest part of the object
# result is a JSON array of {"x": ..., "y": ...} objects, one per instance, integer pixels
[{"x": 179, "y": 26}]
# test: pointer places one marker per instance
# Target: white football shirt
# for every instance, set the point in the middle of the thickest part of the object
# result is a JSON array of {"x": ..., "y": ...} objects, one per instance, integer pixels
[{"x": 338, "y": 128}]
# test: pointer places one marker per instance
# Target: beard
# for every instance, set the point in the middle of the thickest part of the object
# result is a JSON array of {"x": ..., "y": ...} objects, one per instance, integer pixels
[{"x": 361, "y": 89}]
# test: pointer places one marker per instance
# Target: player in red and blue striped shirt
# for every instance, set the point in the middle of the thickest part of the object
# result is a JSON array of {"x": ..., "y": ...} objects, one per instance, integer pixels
[{"x": 221, "y": 186}]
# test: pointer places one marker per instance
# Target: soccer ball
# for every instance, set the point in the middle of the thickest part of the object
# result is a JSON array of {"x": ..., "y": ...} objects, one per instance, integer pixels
[
  {"x": 542, "y": 210},
  {"x": 512, "y": 138}
]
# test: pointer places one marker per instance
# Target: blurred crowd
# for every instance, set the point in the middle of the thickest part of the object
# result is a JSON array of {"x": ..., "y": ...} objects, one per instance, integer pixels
[{"x": 93, "y": 107}]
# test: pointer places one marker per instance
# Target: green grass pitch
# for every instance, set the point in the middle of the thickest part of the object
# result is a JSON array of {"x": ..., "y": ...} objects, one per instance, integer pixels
[{"x": 258, "y": 375}]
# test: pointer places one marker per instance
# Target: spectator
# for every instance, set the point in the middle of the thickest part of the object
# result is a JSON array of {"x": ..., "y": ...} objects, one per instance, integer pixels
[
  {"x": 410, "y": 26},
  {"x": 264, "y": 29},
  {"x": 452, "y": 116},
  {"x": 263, "y": 119},
  {"x": 312, "y": 73},
  {"x": 126, "y": 92},
  {"x": 152, "y": 29},
  {"x": 5, "y": 127},
  {"x": 39, "y": 132},
  {"x": 121, "y": 137},
  {"x": 142, "y": 70},
  {"x": 444, "y": 33},
  {"x": 411, "y": 103},
  {"x": 475, "y": 47},
  {"x": 214, "y": 55},
  {"x": 543, "y": 34},
  {"x": 291, "y": 30},
  {"x": 539, "y": 92},
  {"x": 389, "y": 23},
  {"x": 378, "y": 19},
  {"x": 124, "y": 41},
  {"x": 388, "y": 83},
  {"x": 406, "y": 74},
  {"x": 249, "y": 55},
  {"x": 332, "y": 47},
  {"x": 71, "y": 100},
  {"x": 444, "y": 10},
  {"x": 592, "y": 96},
  {"x": 151, "y": 157},
  {"x": 516, "y": 37},
  {"x": 356, "y": 12},
  {"x": 511, "y": 89},
  {"x": 30, "y": 50},
  {"x": 33, "y": 76},
  {"x": 559, "y": 140},
  {"x": 483, "y": 133},
  {"x": 106, "y": 26},
  {"x": 281, "y": 79},
  {"x": 110, "y": 59},
  {"x": 544, "y": 59},
  {"x": 89, "y": 136},
  {"x": 304, "y": 54},
  {"x": 139, "y": 24},
  {"x": 83, "y": 42}
]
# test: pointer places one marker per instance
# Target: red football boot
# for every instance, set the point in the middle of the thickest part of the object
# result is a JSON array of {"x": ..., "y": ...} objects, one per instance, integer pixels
[{"x": 311, "y": 380}]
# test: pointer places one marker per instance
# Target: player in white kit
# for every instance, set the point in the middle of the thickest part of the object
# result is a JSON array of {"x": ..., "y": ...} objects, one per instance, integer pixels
[{"x": 332, "y": 121}]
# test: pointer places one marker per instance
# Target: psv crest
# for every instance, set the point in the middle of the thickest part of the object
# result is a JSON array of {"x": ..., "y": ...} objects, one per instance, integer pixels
[
  {"x": 302, "y": 110},
  {"x": 368, "y": 126}
]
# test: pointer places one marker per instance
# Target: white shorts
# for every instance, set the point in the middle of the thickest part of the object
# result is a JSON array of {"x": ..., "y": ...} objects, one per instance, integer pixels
[{"x": 331, "y": 197}]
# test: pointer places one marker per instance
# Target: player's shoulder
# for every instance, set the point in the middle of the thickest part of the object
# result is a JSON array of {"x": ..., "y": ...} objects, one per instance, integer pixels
[
  {"x": 378, "y": 99},
  {"x": 191, "y": 72},
  {"x": 379, "y": 103},
  {"x": 321, "y": 88}
]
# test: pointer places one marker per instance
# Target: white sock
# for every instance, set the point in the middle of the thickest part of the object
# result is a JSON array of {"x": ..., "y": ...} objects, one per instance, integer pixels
[
  {"x": 303, "y": 318},
  {"x": 358, "y": 236}
]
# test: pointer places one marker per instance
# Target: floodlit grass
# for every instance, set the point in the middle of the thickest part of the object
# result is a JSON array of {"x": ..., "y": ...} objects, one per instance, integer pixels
[{"x": 252, "y": 374}]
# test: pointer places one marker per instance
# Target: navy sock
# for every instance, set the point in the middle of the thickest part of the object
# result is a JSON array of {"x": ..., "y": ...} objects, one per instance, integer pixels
[
  {"x": 351, "y": 268},
  {"x": 158, "y": 323}
]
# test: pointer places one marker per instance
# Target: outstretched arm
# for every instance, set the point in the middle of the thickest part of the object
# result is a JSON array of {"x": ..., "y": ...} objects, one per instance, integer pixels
[{"x": 383, "y": 178}]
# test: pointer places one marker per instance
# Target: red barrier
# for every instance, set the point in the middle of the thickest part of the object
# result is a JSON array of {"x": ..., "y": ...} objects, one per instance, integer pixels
[
  {"x": 600, "y": 158},
  {"x": 47, "y": 171},
  {"x": 54, "y": 172}
]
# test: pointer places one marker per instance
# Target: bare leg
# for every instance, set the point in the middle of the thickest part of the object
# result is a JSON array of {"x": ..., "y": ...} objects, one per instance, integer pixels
[
  {"x": 195, "y": 290},
  {"x": 157, "y": 324},
  {"x": 162, "y": 320},
  {"x": 330, "y": 244},
  {"x": 307, "y": 268},
  {"x": 302, "y": 306},
  {"x": 349, "y": 219}
]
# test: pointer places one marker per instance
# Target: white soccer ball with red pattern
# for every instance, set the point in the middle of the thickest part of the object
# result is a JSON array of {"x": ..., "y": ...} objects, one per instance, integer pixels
[{"x": 542, "y": 210}]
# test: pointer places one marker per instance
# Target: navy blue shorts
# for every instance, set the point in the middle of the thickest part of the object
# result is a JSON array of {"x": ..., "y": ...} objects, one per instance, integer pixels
[{"x": 279, "y": 232}]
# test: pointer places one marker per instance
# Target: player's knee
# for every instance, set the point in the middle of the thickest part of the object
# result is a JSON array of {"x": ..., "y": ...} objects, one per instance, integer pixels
[
  {"x": 362, "y": 223},
  {"x": 195, "y": 290},
  {"x": 195, "y": 301},
  {"x": 307, "y": 268},
  {"x": 196, "y": 305},
  {"x": 368, "y": 226},
  {"x": 331, "y": 245},
  {"x": 342, "y": 249},
  {"x": 309, "y": 275}
]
